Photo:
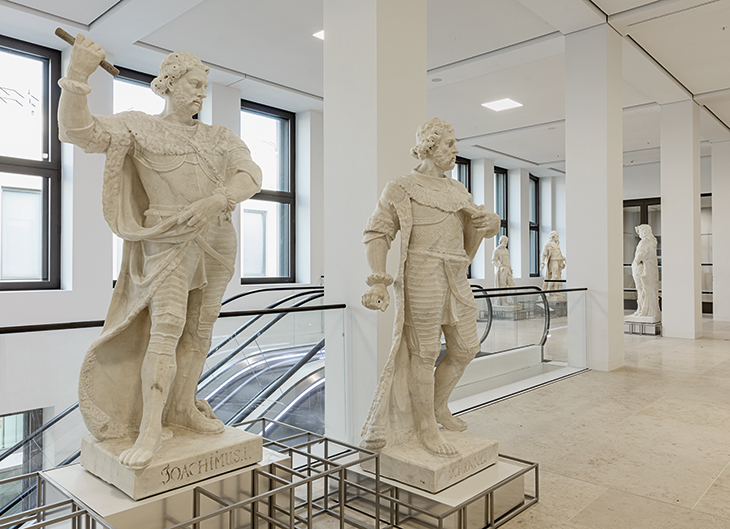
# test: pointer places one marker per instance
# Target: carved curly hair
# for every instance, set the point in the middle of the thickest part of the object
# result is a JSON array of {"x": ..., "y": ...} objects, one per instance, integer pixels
[
  {"x": 428, "y": 135},
  {"x": 173, "y": 67}
]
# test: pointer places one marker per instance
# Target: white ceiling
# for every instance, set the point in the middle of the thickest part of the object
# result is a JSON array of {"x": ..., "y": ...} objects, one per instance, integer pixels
[{"x": 478, "y": 51}]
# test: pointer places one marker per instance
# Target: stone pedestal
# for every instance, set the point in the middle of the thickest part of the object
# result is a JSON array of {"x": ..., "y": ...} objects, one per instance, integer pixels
[
  {"x": 411, "y": 464},
  {"x": 187, "y": 458}
]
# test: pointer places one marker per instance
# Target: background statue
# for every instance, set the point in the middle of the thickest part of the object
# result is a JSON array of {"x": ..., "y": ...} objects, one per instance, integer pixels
[
  {"x": 170, "y": 185},
  {"x": 441, "y": 229},
  {"x": 552, "y": 260},
  {"x": 645, "y": 270},
  {"x": 502, "y": 266}
]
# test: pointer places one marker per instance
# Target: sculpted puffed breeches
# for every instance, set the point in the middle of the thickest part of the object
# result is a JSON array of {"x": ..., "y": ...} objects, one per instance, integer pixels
[{"x": 438, "y": 298}]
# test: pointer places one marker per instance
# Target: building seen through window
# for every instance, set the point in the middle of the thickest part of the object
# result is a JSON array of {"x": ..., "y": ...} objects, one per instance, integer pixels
[
  {"x": 267, "y": 220},
  {"x": 30, "y": 167}
]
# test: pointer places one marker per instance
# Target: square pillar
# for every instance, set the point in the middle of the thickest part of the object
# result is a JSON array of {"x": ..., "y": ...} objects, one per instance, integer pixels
[
  {"x": 680, "y": 243},
  {"x": 375, "y": 99},
  {"x": 482, "y": 189},
  {"x": 594, "y": 186},
  {"x": 518, "y": 206}
]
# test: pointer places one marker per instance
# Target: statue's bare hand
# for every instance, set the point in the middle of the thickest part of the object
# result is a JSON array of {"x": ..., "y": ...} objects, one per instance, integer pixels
[
  {"x": 85, "y": 58},
  {"x": 203, "y": 211},
  {"x": 377, "y": 297},
  {"x": 542, "y": 266}
]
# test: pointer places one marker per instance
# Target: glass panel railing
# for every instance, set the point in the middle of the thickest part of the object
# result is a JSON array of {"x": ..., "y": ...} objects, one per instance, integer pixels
[
  {"x": 268, "y": 363},
  {"x": 534, "y": 337}
]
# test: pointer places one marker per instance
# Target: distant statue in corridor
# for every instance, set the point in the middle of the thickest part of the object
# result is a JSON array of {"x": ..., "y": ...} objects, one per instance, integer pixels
[
  {"x": 645, "y": 270},
  {"x": 552, "y": 261}
]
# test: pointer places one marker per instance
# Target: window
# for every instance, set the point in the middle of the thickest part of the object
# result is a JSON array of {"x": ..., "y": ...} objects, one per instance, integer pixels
[
  {"x": 534, "y": 226},
  {"x": 462, "y": 172},
  {"x": 132, "y": 92},
  {"x": 267, "y": 220},
  {"x": 30, "y": 167},
  {"x": 500, "y": 200}
]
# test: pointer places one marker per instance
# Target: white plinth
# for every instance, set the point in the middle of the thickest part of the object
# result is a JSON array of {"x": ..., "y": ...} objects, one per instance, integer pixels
[
  {"x": 187, "y": 458},
  {"x": 642, "y": 319},
  {"x": 411, "y": 464},
  {"x": 163, "y": 510}
]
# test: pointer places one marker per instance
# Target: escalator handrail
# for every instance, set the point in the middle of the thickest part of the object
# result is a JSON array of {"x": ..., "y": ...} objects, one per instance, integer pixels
[
  {"x": 38, "y": 432},
  {"x": 271, "y": 388},
  {"x": 280, "y": 314},
  {"x": 252, "y": 320},
  {"x": 269, "y": 289}
]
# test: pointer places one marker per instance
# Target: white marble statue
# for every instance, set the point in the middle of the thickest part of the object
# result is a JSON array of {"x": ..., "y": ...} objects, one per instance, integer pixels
[
  {"x": 552, "y": 260},
  {"x": 441, "y": 229},
  {"x": 645, "y": 270},
  {"x": 502, "y": 265},
  {"x": 170, "y": 185}
]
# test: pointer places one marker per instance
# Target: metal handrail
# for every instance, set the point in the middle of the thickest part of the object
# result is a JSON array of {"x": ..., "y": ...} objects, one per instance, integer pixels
[
  {"x": 39, "y": 431},
  {"x": 269, "y": 289}
]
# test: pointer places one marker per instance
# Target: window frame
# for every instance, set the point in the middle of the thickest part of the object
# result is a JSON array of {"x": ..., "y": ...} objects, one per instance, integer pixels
[
  {"x": 466, "y": 163},
  {"x": 49, "y": 170},
  {"x": 280, "y": 197},
  {"x": 535, "y": 227}
]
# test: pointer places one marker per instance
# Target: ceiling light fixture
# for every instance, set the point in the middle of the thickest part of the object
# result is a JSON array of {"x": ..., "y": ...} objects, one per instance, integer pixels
[
  {"x": 502, "y": 104},
  {"x": 319, "y": 34}
]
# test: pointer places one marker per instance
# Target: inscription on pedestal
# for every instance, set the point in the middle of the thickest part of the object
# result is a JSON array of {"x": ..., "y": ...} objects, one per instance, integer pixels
[
  {"x": 186, "y": 458},
  {"x": 410, "y": 463}
]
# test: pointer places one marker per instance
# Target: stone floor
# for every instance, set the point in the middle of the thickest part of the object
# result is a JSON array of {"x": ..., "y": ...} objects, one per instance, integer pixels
[{"x": 646, "y": 446}]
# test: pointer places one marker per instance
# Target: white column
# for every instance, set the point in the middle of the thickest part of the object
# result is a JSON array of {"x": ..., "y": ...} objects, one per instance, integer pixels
[
  {"x": 594, "y": 186},
  {"x": 721, "y": 231},
  {"x": 681, "y": 257},
  {"x": 222, "y": 106},
  {"x": 375, "y": 98},
  {"x": 518, "y": 231},
  {"x": 482, "y": 189},
  {"x": 310, "y": 199}
]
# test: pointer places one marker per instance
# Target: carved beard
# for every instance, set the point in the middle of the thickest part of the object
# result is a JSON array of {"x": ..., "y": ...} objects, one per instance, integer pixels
[
  {"x": 444, "y": 161},
  {"x": 190, "y": 105}
]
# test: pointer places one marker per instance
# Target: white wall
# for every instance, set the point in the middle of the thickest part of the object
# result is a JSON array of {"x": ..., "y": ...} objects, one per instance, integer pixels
[{"x": 643, "y": 181}]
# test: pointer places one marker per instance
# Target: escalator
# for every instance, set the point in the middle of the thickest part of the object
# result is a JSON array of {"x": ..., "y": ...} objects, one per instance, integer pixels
[{"x": 250, "y": 372}]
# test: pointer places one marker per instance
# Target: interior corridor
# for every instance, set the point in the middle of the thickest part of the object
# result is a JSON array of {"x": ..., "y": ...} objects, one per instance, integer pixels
[{"x": 646, "y": 446}]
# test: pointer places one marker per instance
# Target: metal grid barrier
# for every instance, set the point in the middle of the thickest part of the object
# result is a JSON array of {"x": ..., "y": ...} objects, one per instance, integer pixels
[
  {"x": 64, "y": 513},
  {"x": 321, "y": 477}
]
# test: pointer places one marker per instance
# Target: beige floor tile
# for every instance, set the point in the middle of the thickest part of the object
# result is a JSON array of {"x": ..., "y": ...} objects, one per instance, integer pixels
[
  {"x": 691, "y": 411},
  {"x": 655, "y": 457},
  {"x": 615, "y": 509},
  {"x": 716, "y": 500},
  {"x": 721, "y": 370}
]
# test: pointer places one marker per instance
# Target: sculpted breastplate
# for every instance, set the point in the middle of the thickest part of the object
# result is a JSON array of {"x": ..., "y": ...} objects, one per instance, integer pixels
[{"x": 436, "y": 231}]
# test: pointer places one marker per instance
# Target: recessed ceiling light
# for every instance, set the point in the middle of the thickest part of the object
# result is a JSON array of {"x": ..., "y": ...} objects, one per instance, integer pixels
[
  {"x": 319, "y": 34},
  {"x": 502, "y": 104},
  {"x": 436, "y": 80}
]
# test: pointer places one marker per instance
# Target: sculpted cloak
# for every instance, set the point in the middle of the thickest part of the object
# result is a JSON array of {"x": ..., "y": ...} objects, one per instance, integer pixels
[{"x": 110, "y": 393}]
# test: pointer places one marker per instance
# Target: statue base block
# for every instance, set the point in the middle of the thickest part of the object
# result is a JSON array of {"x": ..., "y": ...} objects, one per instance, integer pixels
[
  {"x": 411, "y": 464},
  {"x": 641, "y": 319},
  {"x": 187, "y": 458}
]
